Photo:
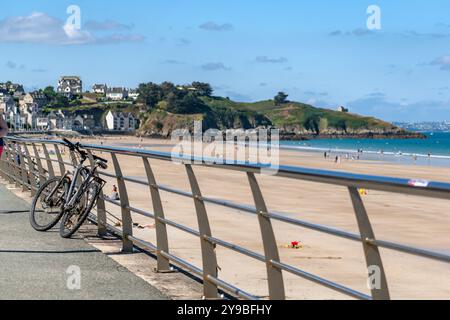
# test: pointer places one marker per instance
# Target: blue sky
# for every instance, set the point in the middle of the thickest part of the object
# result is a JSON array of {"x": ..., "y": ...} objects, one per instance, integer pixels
[{"x": 319, "y": 52}]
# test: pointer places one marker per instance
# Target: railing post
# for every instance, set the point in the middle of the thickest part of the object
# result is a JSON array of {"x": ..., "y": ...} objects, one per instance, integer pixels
[
  {"x": 162, "y": 243},
  {"x": 41, "y": 171},
  {"x": 101, "y": 208},
  {"x": 23, "y": 169},
  {"x": 62, "y": 167},
  {"x": 3, "y": 162},
  {"x": 16, "y": 163},
  {"x": 274, "y": 275},
  {"x": 371, "y": 252},
  {"x": 51, "y": 172},
  {"x": 32, "y": 175},
  {"x": 127, "y": 222},
  {"x": 73, "y": 158},
  {"x": 209, "y": 258},
  {"x": 9, "y": 164}
]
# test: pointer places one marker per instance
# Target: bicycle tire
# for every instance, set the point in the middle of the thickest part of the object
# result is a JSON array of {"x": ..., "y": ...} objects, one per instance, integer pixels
[
  {"x": 67, "y": 234},
  {"x": 33, "y": 221}
]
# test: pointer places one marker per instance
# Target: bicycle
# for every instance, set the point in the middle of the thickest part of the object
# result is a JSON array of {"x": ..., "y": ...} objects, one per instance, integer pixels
[{"x": 69, "y": 198}]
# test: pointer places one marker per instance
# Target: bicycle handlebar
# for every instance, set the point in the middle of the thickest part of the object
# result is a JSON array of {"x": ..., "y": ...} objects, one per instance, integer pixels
[
  {"x": 69, "y": 144},
  {"x": 76, "y": 147}
]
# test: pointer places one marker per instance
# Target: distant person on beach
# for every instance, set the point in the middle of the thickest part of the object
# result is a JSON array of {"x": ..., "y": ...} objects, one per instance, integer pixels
[
  {"x": 325, "y": 155},
  {"x": 3, "y": 132},
  {"x": 114, "y": 194}
]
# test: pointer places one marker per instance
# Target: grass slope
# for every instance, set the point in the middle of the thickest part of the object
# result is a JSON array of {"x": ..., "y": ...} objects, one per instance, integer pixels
[{"x": 295, "y": 116}]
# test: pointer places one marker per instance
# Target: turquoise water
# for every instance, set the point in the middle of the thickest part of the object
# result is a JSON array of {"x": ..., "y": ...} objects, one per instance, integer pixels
[{"x": 435, "y": 150}]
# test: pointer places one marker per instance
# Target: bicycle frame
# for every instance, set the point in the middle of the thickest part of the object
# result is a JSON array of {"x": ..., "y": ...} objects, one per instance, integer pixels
[
  {"x": 70, "y": 198},
  {"x": 79, "y": 171}
]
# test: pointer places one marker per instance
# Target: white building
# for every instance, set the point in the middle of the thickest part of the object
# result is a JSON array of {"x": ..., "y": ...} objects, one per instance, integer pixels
[
  {"x": 342, "y": 109},
  {"x": 36, "y": 99},
  {"x": 116, "y": 93},
  {"x": 14, "y": 89},
  {"x": 133, "y": 94},
  {"x": 42, "y": 123},
  {"x": 99, "y": 88},
  {"x": 70, "y": 86},
  {"x": 12, "y": 116},
  {"x": 57, "y": 121},
  {"x": 28, "y": 116},
  {"x": 120, "y": 121},
  {"x": 6, "y": 103}
]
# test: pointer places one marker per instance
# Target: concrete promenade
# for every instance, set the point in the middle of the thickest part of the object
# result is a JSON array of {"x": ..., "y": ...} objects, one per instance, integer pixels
[{"x": 36, "y": 265}]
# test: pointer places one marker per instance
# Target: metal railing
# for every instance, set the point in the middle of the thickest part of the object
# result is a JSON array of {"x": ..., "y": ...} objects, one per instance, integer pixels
[{"x": 25, "y": 170}]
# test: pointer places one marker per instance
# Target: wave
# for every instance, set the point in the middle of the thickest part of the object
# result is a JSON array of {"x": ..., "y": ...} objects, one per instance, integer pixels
[{"x": 354, "y": 151}]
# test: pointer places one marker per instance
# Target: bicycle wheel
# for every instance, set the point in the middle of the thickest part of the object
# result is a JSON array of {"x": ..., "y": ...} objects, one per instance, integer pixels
[
  {"x": 72, "y": 220},
  {"x": 44, "y": 214}
]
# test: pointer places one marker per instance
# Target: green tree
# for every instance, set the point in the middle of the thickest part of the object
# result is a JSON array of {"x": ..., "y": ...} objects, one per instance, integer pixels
[
  {"x": 167, "y": 88},
  {"x": 49, "y": 93},
  {"x": 60, "y": 101},
  {"x": 280, "y": 98},
  {"x": 150, "y": 94},
  {"x": 187, "y": 104},
  {"x": 202, "y": 88}
]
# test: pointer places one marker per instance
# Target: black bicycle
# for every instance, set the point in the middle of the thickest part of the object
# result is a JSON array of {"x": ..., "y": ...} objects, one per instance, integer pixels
[{"x": 69, "y": 198}]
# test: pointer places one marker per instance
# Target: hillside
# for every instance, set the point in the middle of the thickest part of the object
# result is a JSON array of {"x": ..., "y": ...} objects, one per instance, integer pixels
[
  {"x": 295, "y": 120},
  {"x": 163, "y": 108}
]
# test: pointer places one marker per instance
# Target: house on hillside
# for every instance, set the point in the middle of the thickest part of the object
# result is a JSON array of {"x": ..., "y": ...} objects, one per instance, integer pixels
[
  {"x": 59, "y": 121},
  {"x": 16, "y": 90},
  {"x": 42, "y": 122},
  {"x": 99, "y": 88},
  {"x": 83, "y": 122},
  {"x": 116, "y": 93},
  {"x": 6, "y": 103},
  {"x": 12, "y": 117},
  {"x": 133, "y": 94},
  {"x": 70, "y": 86},
  {"x": 120, "y": 121},
  {"x": 342, "y": 109},
  {"x": 28, "y": 116},
  {"x": 36, "y": 98}
]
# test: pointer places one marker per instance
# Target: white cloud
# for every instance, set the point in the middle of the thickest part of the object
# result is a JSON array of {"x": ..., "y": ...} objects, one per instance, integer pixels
[
  {"x": 378, "y": 105},
  {"x": 106, "y": 25},
  {"x": 359, "y": 32},
  {"x": 443, "y": 62},
  {"x": 212, "y": 26},
  {"x": 13, "y": 65},
  {"x": 41, "y": 28},
  {"x": 265, "y": 59},
  {"x": 214, "y": 66}
]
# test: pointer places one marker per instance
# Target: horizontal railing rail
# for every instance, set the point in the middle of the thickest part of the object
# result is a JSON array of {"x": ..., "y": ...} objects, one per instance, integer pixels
[{"x": 18, "y": 166}]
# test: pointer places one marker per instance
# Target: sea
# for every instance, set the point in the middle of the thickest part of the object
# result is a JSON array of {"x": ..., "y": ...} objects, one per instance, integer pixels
[{"x": 434, "y": 151}]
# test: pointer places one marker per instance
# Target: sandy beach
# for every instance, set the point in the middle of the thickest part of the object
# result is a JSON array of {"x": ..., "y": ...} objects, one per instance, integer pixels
[{"x": 409, "y": 220}]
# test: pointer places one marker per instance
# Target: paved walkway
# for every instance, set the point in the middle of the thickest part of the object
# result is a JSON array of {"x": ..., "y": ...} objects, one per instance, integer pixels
[{"x": 34, "y": 265}]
